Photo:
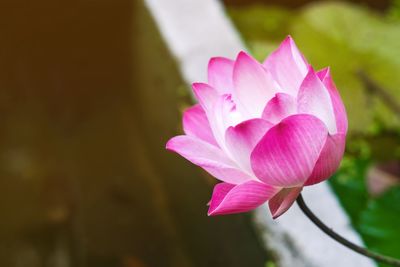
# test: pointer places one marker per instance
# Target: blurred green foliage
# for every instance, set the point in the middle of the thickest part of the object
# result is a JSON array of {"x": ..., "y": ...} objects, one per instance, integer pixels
[
  {"x": 350, "y": 39},
  {"x": 270, "y": 264},
  {"x": 394, "y": 11}
]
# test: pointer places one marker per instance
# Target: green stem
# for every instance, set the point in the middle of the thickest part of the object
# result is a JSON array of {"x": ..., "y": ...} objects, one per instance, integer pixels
[{"x": 341, "y": 239}]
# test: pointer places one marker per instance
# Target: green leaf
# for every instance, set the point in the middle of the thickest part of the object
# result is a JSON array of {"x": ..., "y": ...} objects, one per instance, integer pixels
[
  {"x": 349, "y": 185},
  {"x": 379, "y": 223}
]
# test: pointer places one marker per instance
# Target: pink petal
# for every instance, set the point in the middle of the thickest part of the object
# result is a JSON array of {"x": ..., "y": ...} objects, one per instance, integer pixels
[
  {"x": 338, "y": 106},
  {"x": 241, "y": 140},
  {"x": 195, "y": 123},
  {"x": 314, "y": 99},
  {"x": 205, "y": 94},
  {"x": 282, "y": 201},
  {"x": 228, "y": 198},
  {"x": 220, "y": 72},
  {"x": 279, "y": 107},
  {"x": 223, "y": 115},
  {"x": 253, "y": 85},
  {"x": 287, "y": 66},
  {"x": 329, "y": 159},
  {"x": 322, "y": 73},
  {"x": 287, "y": 154},
  {"x": 209, "y": 157}
]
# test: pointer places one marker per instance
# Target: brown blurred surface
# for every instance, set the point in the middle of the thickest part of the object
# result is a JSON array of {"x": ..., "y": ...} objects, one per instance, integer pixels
[{"x": 88, "y": 97}]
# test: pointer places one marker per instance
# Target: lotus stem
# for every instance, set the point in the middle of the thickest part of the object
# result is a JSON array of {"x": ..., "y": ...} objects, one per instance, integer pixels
[{"x": 363, "y": 251}]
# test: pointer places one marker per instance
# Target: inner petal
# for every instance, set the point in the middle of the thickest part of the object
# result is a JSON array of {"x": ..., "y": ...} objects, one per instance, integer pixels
[
  {"x": 279, "y": 107},
  {"x": 242, "y": 138},
  {"x": 313, "y": 98},
  {"x": 253, "y": 86},
  {"x": 224, "y": 114}
]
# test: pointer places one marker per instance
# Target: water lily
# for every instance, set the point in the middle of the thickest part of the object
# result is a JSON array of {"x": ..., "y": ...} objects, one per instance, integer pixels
[{"x": 265, "y": 130}]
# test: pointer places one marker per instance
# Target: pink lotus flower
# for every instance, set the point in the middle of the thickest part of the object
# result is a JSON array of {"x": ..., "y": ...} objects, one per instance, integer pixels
[{"x": 265, "y": 130}]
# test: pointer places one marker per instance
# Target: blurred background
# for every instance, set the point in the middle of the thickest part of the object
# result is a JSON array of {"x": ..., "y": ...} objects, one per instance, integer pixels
[{"x": 89, "y": 94}]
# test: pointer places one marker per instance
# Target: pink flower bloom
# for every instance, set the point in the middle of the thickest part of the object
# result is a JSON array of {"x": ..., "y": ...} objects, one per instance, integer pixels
[{"x": 265, "y": 130}]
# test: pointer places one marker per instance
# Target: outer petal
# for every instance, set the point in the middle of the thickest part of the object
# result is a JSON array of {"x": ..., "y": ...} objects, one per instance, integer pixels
[
  {"x": 279, "y": 107},
  {"x": 209, "y": 157},
  {"x": 220, "y": 72},
  {"x": 195, "y": 123},
  {"x": 282, "y": 201},
  {"x": 228, "y": 198},
  {"x": 314, "y": 99},
  {"x": 205, "y": 94},
  {"x": 253, "y": 85},
  {"x": 338, "y": 106},
  {"x": 329, "y": 159},
  {"x": 241, "y": 140},
  {"x": 322, "y": 73},
  {"x": 287, "y": 154},
  {"x": 287, "y": 66}
]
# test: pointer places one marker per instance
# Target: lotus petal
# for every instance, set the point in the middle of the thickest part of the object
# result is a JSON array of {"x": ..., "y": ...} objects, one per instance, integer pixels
[
  {"x": 253, "y": 85},
  {"x": 195, "y": 123},
  {"x": 329, "y": 159},
  {"x": 287, "y": 154},
  {"x": 279, "y": 107},
  {"x": 209, "y": 157},
  {"x": 287, "y": 66},
  {"x": 228, "y": 198},
  {"x": 283, "y": 200},
  {"x": 338, "y": 106},
  {"x": 242, "y": 138},
  {"x": 220, "y": 74},
  {"x": 314, "y": 99}
]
